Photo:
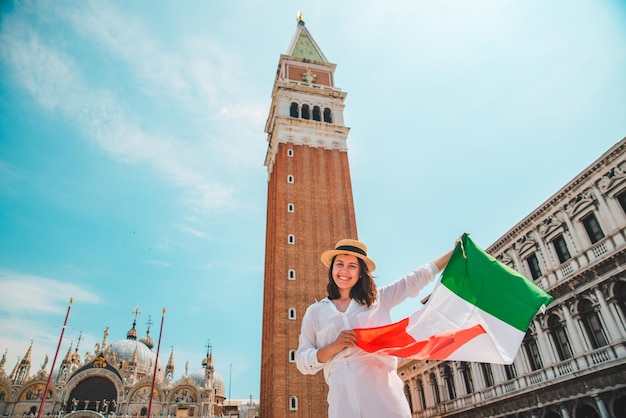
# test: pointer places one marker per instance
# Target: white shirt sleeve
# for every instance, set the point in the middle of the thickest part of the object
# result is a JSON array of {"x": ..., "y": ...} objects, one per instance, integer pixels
[
  {"x": 306, "y": 355},
  {"x": 407, "y": 286}
]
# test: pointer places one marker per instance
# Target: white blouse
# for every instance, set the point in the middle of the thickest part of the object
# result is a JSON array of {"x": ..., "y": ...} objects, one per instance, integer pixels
[{"x": 360, "y": 384}]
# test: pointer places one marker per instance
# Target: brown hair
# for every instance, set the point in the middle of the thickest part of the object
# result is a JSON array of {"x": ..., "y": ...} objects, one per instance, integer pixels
[{"x": 364, "y": 291}]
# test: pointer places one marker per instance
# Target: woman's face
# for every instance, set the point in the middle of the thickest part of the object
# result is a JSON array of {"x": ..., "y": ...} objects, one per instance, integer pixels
[{"x": 346, "y": 271}]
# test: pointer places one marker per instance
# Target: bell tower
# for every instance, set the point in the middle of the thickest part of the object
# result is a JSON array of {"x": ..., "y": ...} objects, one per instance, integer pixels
[{"x": 309, "y": 208}]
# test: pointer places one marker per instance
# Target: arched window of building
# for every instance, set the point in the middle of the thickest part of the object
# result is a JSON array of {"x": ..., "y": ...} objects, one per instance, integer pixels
[
  {"x": 560, "y": 248},
  {"x": 533, "y": 266},
  {"x": 487, "y": 374},
  {"x": 305, "y": 112},
  {"x": 466, "y": 373},
  {"x": 290, "y": 152},
  {"x": 532, "y": 352},
  {"x": 592, "y": 226},
  {"x": 621, "y": 198},
  {"x": 620, "y": 300},
  {"x": 291, "y": 274},
  {"x": 290, "y": 208},
  {"x": 510, "y": 371},
  {"x": 448, "y": 378},
  {"x": 407, "y": 394},
  {"x": 328, "y": 118},
  {"x": 292, "y": 356},
  {"x": 292, "y": 313},
  {"x": 293, "y": 403},
  {"x": 434, "y": 387},
  {"x": 316, "y": 113},
  {"x": 559, "y": 337},
  {"x": 291, "y": 239},
  {"x": 293, "y": 110},
  {"x": 421, "y": 395},
  {"x": 587, "y": 411},
  {"x": 290, "y": 179},
  {"x": 592, "y": 324}
]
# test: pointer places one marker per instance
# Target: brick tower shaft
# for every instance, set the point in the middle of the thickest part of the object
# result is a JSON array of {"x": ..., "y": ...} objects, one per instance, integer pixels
[{"x": 309, "y": 208}]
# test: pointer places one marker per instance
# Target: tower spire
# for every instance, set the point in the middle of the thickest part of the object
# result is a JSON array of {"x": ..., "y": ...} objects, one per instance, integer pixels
[{"x": 303, "y": 45}]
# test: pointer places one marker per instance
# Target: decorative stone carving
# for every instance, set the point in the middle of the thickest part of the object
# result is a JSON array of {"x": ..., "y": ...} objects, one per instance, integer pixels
[
  {"x": 550, "y": 224},
  {"x": 581, "y": 201},
  {"x": 613, "y": 176},
  {"x": 308, "y": 76}
]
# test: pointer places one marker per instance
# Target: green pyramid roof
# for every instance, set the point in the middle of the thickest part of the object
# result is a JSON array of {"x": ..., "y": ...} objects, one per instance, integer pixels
[{"x": 303, "y": 45}]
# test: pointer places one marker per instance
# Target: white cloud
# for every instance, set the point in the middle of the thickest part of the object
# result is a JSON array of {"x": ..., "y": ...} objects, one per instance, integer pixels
[
  {"x": 159, "y": 263},
  {"x": 54, "y": 81},
  {"x": 192, "y": 231},
  {"x": 24, "y": 293}
]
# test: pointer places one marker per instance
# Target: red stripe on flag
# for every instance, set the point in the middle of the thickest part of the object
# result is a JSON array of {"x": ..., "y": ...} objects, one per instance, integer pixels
[{"x": 394, "y": 340}]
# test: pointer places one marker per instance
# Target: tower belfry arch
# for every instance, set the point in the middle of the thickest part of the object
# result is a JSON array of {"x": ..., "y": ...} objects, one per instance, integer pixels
[{"x": 309, "y": 208}]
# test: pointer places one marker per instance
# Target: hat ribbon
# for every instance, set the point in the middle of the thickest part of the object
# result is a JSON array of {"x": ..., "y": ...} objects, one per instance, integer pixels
[{"x": 351, "y": 248}]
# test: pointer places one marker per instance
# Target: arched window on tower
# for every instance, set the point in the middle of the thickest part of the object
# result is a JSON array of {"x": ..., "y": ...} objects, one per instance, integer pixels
[
  {"x": 316, "y": 113},
  {"x": 592, "y": 324},
  {"x": 293, "y": 110},
  {"x": 291, "y": 208},
  {"x": 292, "y": 314},
  {"x": 328, "y": 118},
  {"x": 559, "y": 337},
  {"x": 291, "y": 239},
  {"x": 292, "y": 356},
  {"x": 289, "y": 179},
  {"x": 305, "y": 112},
  {"x": 290, "y": 152},
  {"x": 293, "y": 403},
  {"x": 291, "y": 274}
]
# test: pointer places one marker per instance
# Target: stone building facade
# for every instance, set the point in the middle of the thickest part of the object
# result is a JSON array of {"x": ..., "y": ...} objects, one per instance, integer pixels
[{"x": 572, "y": 362}]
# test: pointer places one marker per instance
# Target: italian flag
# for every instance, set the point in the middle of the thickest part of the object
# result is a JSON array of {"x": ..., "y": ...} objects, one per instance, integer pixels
[{"x": 479, "y": 311}]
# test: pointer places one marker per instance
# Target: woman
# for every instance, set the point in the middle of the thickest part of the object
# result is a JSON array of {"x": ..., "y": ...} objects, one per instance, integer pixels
[{"x": 360, "y": 384}]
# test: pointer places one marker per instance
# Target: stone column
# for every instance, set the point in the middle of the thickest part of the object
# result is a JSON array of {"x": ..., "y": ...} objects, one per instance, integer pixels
[
  {"x": 544, "y": 347},
  {"x": 601, "y": 408},
  {"x": 613, "y": 329},
  {"x": 577, "y": 345}
]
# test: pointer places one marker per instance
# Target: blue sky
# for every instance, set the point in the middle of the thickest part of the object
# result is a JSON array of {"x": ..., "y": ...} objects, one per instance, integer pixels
[{"x": 132, "y": 149}]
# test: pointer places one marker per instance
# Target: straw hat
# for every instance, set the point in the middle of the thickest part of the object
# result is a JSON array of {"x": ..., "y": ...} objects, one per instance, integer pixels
[{"x": 351, "y": 247}]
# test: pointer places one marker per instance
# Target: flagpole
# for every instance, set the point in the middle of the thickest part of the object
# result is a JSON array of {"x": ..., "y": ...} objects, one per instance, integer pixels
[
  {"x": 156, "y": 365},
  {"x": 45, "y": 392}
]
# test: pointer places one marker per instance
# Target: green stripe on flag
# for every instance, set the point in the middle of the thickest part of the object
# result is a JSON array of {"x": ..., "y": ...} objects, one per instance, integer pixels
[{"x": 492, "y": 286}]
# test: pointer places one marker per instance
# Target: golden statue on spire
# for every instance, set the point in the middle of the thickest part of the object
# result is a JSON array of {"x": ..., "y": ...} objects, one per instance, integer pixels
[{"x": 299, "y": 16}]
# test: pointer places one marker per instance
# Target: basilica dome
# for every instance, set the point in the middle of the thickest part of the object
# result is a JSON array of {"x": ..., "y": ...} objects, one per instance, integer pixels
[
  {"x": 130, "y": 350},
  {"x": 218, "y": 381}
]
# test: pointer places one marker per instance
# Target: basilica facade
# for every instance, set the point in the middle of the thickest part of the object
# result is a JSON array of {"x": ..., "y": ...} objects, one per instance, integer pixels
[
  {"x": 572, "y": 362},
  {"x": 115, "y": 380}
]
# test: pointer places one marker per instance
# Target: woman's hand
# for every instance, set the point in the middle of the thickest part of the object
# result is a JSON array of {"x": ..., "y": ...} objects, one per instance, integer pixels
[
  {"x": 442, "y": 261},
  {"x": 345, "y": 339}
]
